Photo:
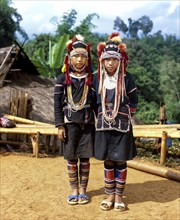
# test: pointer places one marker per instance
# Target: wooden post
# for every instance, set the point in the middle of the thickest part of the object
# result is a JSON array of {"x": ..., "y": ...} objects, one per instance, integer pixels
[
  {"x": 35, "y": 144},
  {"x": 163, "y": 148},
  {"x": 47, "y": 144},
  {"x": 54, "y": 146}
]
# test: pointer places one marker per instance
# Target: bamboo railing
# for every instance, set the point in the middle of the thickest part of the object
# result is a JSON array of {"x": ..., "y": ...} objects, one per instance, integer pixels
[
  {"x": 155, "y": 131},
  {"x": 24, "y": 120},
  {"x": 35, "y": 129}
]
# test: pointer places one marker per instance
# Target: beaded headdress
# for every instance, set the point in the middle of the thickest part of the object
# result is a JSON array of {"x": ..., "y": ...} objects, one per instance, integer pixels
[
  {"x": 77, "y": 46},
  {"x": 113, "y": 48}
]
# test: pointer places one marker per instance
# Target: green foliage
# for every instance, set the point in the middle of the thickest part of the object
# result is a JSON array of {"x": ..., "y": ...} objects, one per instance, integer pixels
[
  {"x": 9, "y": 24},
  {"x": 39, "y": 41},
  {"x": 169, "y": 84},
  {"x": 154, "y": 61},
  {"x": 50, "y": 67},
  {"x": 143, "y": 26},
  {"x": 148, "y": 112},
  {"x": 66, "y": 23},
  {"x": 86, "y": 25},
  {"x": 146, "y": 25}
]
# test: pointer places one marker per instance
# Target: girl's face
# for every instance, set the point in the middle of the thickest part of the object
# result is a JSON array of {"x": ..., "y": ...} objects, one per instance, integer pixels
[
  {"x": 111, "y": 64},
  {"x": 79, "y": 61}
]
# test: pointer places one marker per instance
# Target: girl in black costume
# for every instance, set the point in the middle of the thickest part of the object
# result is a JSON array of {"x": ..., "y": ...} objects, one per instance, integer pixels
[{"x": 117, "y": 103}]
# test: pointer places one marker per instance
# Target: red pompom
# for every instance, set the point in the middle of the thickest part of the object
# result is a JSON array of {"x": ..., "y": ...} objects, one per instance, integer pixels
[
  {"x": 122, "y": 47},
  {"x": 74, "y": 39},
  {"x": 69, "y": 47},
  {"x": 114, "y": 34},
  {"x": 100, "y": 48}
]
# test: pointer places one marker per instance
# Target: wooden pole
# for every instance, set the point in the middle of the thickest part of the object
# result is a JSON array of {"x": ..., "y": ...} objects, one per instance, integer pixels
[
  {"x": 28, "y": 130},
  {"x": 35, "y": 144},
  {"x": 163, "y": 148},
  {"x": 157, "y": 170},
  {"x": 54, "y": 147},
  {"x": 12, "y": 142},
  {"x": 24, "y": 120}
]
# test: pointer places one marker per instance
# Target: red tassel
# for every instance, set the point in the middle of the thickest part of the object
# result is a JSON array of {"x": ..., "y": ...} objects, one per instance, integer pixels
[
  {"x": 89, "y": 81},
  {"x": 122, "y": 47},
  {"x": 98, "y": 70},
  {"x": 100, "y": 48},
  {"x": 74, "y": 39},
  {"x": 69, "y": 47},
  {"x": 89, "y": 56},
  {"x": 68, "y": 80}
]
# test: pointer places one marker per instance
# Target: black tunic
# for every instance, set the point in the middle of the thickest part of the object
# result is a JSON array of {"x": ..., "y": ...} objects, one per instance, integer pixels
[
  {"x": 115, "y": 141},
  {"x": 79, "y": 124}
]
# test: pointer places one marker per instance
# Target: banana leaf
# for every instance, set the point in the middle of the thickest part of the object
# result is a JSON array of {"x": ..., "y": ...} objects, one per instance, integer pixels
[{"x": 58, "y": 52}]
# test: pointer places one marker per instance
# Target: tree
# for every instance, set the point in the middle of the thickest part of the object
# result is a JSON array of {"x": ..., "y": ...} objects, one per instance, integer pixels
[
  {"x": 146, "y": 25},
  {"x": 39, "y": 41},
  {"x": 169, "y": 84},
  {"x": 134, "y": 27},
  {"x": 66, "y": 23},
  {"x": 86, "y": 25},
  {"x": 119, "y": 25},
  {"x": 10, "y": 24},
  {"x": 143, "y": 25}
]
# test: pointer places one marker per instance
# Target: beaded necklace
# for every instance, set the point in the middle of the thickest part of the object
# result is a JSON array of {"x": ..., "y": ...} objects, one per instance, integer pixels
[
  {"x": 78, "y": 105},
  {"x": 119, "y": 94}
]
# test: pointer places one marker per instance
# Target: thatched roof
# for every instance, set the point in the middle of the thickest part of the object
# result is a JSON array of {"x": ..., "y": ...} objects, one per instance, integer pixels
[
  {"x": 13, "y": 59},
  {"x": 17, "y": 72}
]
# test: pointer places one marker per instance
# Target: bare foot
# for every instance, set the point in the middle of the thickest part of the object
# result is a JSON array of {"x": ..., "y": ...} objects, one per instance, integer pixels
[
  {"x": 74, "y": 191},
  {"x": 82, "y": 191},
  {"x": 110, "y": 198},
  {"x": 118, "y": 198}
]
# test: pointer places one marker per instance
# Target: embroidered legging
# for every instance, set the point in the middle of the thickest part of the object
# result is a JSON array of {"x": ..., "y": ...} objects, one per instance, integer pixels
[
  {"x": 115, "y": 177},
  {"x": 84, "y": 168}
]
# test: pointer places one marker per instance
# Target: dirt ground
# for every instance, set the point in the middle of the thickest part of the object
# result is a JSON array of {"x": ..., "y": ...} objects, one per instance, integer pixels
[{"x": 37, "y": 189}]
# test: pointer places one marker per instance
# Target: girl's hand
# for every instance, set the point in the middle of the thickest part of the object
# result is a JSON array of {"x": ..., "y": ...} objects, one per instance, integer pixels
[{"x": 61, "y": 133}]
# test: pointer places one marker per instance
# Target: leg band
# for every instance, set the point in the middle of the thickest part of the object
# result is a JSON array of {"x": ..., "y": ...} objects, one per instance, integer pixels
[
  {"x": 84, "y": 172},
  {"x": 109, "y": 178},
  {"x": 73, "y": 173},
  {"x": 120, "y": 178}
]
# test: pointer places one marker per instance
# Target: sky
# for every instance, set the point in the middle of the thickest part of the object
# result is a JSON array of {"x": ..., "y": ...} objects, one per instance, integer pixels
[{"x": 37, "y": 14}]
